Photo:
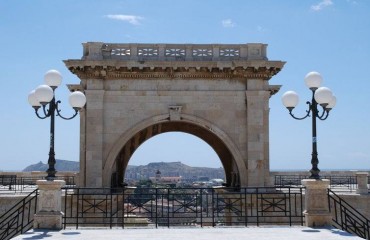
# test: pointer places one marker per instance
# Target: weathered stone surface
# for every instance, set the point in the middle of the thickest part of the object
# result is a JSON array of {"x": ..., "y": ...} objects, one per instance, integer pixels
[
  {"x": 49, "y": 205},
  {"x": 217, "y": 92},
  {"x": 362, "y": 183},
  {"x": 317, "y": 212},
  {"x": 52, "y": 221}
]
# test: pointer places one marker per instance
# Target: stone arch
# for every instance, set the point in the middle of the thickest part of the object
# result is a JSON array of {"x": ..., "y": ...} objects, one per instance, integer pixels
[
  {"x": 124, "y": 84},
  {"x": 124, "y": 147}
]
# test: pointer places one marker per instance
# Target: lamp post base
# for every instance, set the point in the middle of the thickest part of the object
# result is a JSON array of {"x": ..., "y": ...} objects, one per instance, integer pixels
[
  {"x": 315, "y": 173},
  {"x": 317, "y": 212},
  {"x": 52, "y": 221},
  {"x": 51, "y": 175},
  {"x": 49, "y": 214}
]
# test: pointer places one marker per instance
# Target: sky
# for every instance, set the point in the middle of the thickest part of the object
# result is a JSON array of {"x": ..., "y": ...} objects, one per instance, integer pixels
[{"x": 328, "y": 36}]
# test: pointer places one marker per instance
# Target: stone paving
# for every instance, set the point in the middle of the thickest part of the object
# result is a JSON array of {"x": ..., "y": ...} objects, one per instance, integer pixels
[{"x": 270, "y": 233}]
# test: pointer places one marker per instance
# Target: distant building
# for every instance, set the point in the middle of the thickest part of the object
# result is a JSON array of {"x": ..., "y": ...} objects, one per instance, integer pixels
[
  {"x": 158, "y": 179},
  {"x": 211, "y": 183},
  {"x": 203, "y": 179}
]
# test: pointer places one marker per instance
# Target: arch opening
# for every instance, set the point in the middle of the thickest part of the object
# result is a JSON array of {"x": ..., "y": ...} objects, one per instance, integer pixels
[
  {"x": 224, "y": 154},
  {"x": 182, "y": 159}
]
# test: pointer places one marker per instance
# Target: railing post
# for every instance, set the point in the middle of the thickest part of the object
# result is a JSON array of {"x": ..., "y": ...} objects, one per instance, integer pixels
[
  {"x": 317, "y": 212},
  {"x": 49, "y": 208},
  {"x": 93, "y": 51},
  {"x": 362, "y": 183}
]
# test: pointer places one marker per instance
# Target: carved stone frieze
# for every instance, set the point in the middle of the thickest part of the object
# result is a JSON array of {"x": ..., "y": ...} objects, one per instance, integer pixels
[{"x": 184, "y": 72}]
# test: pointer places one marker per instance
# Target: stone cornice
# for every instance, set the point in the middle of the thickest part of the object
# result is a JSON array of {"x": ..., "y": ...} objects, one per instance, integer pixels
[
  {"x": 274, "y": 89},
  {"x": 120, "y": 69}
]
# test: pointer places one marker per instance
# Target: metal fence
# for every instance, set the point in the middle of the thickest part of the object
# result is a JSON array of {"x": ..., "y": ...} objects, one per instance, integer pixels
[
  {"x": 167, "y": 207},
  {"x": 19, "y": 219},
  {"x": 348, "y": 183},
  {"x": 347, "y": 218},
  {"x": 12, "y": 184}
]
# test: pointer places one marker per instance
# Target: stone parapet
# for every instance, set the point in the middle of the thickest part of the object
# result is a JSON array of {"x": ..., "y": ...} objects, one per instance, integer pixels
[
  {"x": 173, "y": 52},
  {"x": 163, "y": 61}
]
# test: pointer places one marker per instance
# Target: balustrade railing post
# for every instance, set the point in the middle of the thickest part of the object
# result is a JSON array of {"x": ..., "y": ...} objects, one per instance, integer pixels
[
  {"x": 161, "y": 51},
  {"x": 216, "y": 52},
  {"x": 188, "y": 52},
  {"x": 93, "y": 51},
  {"x": 133, "y": 52},
  {"x": 362, "y": 187}
]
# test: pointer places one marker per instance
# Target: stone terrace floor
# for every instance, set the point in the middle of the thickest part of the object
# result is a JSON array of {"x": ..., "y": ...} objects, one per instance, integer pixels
[{"x": 260, "y": 233}]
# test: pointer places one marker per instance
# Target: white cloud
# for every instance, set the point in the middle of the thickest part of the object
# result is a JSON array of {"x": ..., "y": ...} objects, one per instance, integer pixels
[
  {"x": 228, "y": 23},
  {"x": 321, "y": 5},
  {"x": 354, "y": 2},
  {"x": 134, "y": 20}
]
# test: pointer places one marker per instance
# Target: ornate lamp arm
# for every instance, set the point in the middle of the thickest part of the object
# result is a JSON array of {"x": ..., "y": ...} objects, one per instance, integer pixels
[
  {"x": 324, "y": 115},
  {"x": 47, "y": 112},
  {"x": 38, "y": 115},
  {"x": 61, "y": 116},
  {"x": 301, "y": 118}
]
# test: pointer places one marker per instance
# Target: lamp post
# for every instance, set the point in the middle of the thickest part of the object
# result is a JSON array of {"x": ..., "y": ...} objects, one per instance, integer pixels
[
  {"x": 44, "y": 96},
  {"x": 320, "y": 96}
]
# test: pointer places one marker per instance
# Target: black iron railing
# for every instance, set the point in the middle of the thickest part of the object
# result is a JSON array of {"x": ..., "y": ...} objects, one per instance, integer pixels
[
  {"x": 13, "y": 184},
  {"x": 348, "y": 218},
  {"x": 7, "y": 180},
  {"x": 19, "y": 219},
  {"x": 154, "y": 207},
  {"x": 336, "y": 182}
]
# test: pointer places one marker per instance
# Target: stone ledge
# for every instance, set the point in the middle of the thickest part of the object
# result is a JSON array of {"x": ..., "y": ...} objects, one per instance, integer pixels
[{"x": 50, "y": 185}]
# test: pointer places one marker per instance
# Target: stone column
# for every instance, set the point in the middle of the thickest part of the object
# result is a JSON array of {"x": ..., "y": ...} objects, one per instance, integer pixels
[
  {"x": 362, "y": 183},
  {"x": 317, "y": 212},
  {"x": 49, "y": 205}
]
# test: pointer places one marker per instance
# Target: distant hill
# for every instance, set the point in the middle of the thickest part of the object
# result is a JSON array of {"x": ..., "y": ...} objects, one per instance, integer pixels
[
  {"x": 60, "y": 166},
  {"x": 172, "y": 169}
]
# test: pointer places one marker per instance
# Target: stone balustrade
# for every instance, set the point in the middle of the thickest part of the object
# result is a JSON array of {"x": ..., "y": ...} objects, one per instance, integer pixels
[{"x": 174, "y": 52}]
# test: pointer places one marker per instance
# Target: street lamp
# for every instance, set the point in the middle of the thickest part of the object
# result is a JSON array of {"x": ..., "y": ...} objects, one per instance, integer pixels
[
  {"x": 320, "y": 96},
  {"x": 42, "y": 96}
]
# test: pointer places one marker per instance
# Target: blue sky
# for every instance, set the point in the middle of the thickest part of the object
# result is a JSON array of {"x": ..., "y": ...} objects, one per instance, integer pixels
[{"x": 328, "y": 36}]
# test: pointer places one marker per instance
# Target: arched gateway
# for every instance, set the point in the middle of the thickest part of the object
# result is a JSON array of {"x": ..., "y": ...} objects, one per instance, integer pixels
[{"x": 217, "y": 92}]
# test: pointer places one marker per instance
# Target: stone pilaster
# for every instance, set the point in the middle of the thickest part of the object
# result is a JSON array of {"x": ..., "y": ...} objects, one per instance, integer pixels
[
  {"x": 257, "y": 130},
  {"x": 94, "y": 136},
  {"x": 317, "y": 212},
  {"x": 362, "y": 183},
  {"x": 49, "y": 206}
]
